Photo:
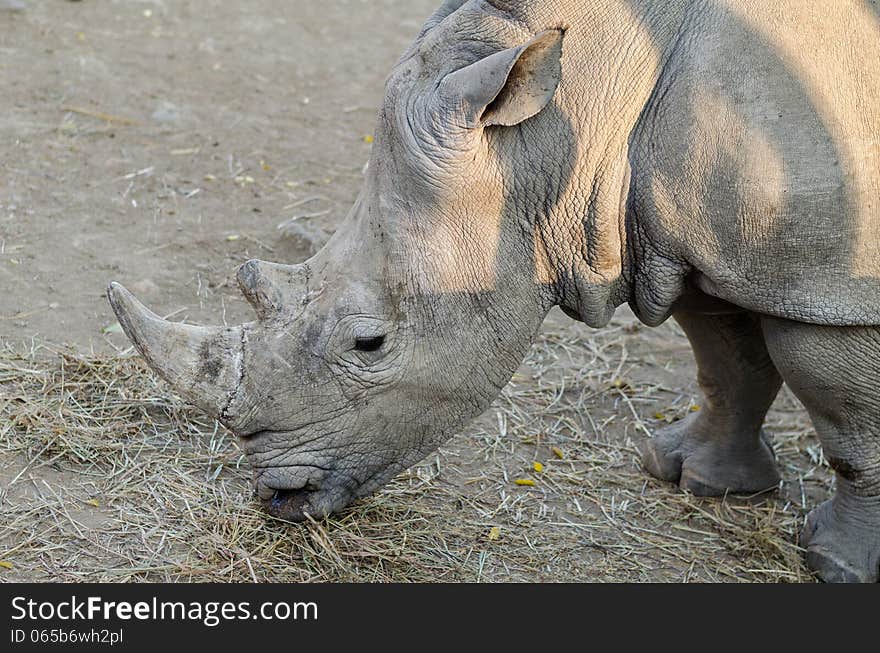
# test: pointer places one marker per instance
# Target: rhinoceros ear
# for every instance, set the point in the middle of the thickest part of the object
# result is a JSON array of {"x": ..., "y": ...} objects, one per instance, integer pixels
[{"x": 509, "y": 86}]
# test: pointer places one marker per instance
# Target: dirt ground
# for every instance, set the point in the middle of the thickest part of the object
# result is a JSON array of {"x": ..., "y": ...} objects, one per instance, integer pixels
[{"x": 162, "y": 144}]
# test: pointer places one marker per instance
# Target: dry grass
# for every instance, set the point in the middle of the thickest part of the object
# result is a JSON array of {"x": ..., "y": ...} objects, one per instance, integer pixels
[{"x": 108, "y": 477}]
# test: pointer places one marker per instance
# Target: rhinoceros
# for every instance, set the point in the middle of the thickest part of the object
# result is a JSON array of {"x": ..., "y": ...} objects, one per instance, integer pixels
[{"x": 714, "y": 161}]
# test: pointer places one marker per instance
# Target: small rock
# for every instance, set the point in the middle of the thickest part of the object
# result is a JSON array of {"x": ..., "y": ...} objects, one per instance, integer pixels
[
  {"x": 313, "y": 235},
  {"x": 166, "y": 112},
  {"x": 145, "y": 288}
]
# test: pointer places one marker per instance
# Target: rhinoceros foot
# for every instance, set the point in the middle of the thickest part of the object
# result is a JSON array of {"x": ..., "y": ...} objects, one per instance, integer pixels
[
  {"x": 687, "y": 452},
  {"x": 842, "y": 543}
]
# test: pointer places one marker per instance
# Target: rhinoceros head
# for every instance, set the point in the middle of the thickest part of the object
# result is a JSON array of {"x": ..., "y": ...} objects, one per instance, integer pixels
[{"x": 410, "y": 320}]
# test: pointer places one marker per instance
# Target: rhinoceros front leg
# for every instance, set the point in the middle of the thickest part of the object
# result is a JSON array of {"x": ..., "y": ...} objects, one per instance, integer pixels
[
  {"x": 721, "y": 448},
  {"x": 835, "y": 372}
]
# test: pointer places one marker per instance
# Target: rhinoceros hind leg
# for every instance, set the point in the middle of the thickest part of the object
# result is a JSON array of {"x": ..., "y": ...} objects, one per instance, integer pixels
[
  {"x": 721, "y": 449},
  {"x": 834, "y": 371},
  {"x": 840, "y": 548}
]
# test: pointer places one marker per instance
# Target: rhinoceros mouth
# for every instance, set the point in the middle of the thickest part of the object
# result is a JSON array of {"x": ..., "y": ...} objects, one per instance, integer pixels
[
  {"x": 290, "y": 505},
  {"x": 293, "y": 504},
  {"x": 297, "y": 492},
  {"x": 300, "y": 504}
]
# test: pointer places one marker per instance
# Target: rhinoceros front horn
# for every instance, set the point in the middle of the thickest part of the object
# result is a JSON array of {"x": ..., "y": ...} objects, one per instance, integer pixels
[{"x": 204, "y": 364}]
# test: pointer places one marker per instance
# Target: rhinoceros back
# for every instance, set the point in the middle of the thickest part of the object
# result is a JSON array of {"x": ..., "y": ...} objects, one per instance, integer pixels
[{"x": 756, "y": 164}]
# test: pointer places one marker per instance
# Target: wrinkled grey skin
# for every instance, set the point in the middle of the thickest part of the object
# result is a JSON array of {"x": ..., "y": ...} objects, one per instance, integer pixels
[{"x": 716, "y": 161}]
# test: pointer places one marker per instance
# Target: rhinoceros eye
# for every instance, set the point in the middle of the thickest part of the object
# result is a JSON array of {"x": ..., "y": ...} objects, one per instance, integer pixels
[{"x": 369, "y": 344}]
